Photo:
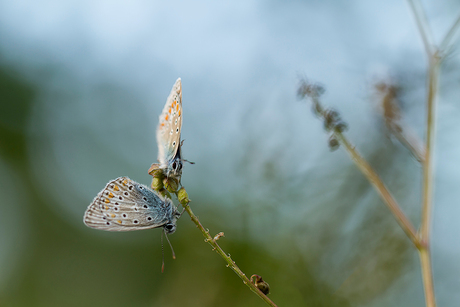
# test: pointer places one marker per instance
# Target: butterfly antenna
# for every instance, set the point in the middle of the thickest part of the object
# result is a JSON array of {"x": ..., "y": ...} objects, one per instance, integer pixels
[
  {"x": 162, "y": 255},
  {"x": 182, "y": 142},
  {"x": 172, "y": 250},
  {"x": 188, "y": 161}
]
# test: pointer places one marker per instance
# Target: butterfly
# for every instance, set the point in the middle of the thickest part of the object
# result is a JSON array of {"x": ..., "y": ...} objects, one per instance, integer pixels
[
  {"x": 125, "y": 205},
  {"x": 168, "y": 135}
]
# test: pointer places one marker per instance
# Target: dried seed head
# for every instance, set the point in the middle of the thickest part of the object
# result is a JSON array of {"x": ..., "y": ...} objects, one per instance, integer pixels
[
  {"x": 308, "y": 89},
  {"x": 331, "y": 117},
  {"x": 341, "y": 126},
  {"x": 333, "y": 143},
  {"x": 317, "y": 109}
]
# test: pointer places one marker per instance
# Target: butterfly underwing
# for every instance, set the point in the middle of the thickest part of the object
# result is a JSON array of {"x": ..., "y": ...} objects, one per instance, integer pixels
[
  {"x": 125, "y": 205},
  {"x": 168, "y": 135}
]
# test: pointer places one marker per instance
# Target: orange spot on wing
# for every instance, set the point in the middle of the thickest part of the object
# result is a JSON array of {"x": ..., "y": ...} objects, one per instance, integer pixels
[
  {"x": 162, "y": 124},
  {"x": 106, "y": 201},
  {"x": 173, "y": 104},
  {"x": 112, "y": 215},
  {"x": 169, "y": 111},
  {"x": 179, "y": 112},
  {"x": 110, "y": 195},
  {"x": 115, "y": 188},
  {"x": 167, "y": 116},
  {"x": 177, "y": 107},
  {"x": 125, "y": 182},
  {"x": 106, "y": 207},
  {"x": 119, "y": 222}
]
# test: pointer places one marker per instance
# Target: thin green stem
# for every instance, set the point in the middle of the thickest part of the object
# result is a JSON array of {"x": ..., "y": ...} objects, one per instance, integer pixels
[
  {"x": 422, "y": 25},
  {"x": 375, "y": 180},
  {"x": 230, "y": 263}
]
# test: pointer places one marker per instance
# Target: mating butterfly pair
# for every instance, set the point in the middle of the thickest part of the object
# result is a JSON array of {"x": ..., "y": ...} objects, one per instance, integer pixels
[{"x": 124, "y": 204}]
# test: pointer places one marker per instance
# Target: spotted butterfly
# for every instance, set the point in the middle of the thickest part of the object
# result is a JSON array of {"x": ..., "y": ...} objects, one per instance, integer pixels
[
  {"x": 125, "y": 205},
  {"x": 168, "y": 135}
]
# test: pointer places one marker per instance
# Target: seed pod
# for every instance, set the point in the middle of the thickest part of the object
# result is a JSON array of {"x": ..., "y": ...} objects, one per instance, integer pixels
[
  {"x": 333, "y": 143},
  {"x": 261, "y": 284},
  {"x": 155, "y": 171},
  {"x": 171, "y": 184},
  {"x": 157, "y": 183},
  {"x": 182, "y": 196}
]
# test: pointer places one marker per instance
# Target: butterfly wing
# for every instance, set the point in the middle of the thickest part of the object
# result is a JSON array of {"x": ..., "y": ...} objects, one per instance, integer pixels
[
  {"x": 169, "y": 127},
  {"x": 125, "y": 205}
]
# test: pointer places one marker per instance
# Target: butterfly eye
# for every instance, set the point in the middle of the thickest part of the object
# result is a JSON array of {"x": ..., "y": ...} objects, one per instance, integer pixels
[
  {"x": 169, "y": 226},
  {"x": 174, "y": 165}
]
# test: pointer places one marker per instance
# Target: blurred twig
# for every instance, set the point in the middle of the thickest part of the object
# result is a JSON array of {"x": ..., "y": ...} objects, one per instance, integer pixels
[
  {"x": 435, "y": 59},
  {"x": 334, "y": 124},
  {"x": 446, "y": 42},
  {"x": 394, "y": 121},
  {"x": 422, "y": 25}
]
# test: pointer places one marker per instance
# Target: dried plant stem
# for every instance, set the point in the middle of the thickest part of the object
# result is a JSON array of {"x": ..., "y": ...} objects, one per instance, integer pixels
[
  {"x": 409, "y": 139},
  {"x": 427, "y": 199},
  {"x": 375, "y": 180},
  {"x": 422, "y": 25},
  {"x": 427, "y": 203},
  {"x": 230, "y": 263},
  {"x": 449, "y": 36}
]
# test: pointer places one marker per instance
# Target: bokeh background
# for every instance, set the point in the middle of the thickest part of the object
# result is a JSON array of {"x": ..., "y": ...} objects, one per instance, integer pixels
[{"x": 82, "y": 84}]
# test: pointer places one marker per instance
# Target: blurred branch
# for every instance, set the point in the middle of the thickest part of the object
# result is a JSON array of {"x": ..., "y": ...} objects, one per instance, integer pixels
[
  {"x": 449, "y": 38},
  {"x": 428, "y": 175},
  {"x": 375, "y": 180},
  {"x": 422, "y": 25},
  {"x": 165, "y": 185},
  {"x": 333, "y": 123}
]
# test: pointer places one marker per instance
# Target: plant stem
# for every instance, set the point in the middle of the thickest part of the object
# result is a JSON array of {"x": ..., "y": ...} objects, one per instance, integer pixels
[
  {"x": 422, "y": 25},
  {"x": 375, "y": 180},
  {"x": 230, "y": 263},
  {"x": 449, "y": 36},
  {"x": 430, "y": 136},
  {"x": 427, "y": 201}
]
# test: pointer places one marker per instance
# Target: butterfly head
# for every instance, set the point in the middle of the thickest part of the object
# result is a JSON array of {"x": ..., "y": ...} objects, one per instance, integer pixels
[
  {"x": 174, "y": 169},
  {"x": 170, "y": 227}
]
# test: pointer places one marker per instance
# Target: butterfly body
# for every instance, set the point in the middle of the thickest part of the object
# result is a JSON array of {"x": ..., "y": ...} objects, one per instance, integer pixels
[
  {"x": 168, "y": 135},
  {"x": 125, "y": 205}
]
